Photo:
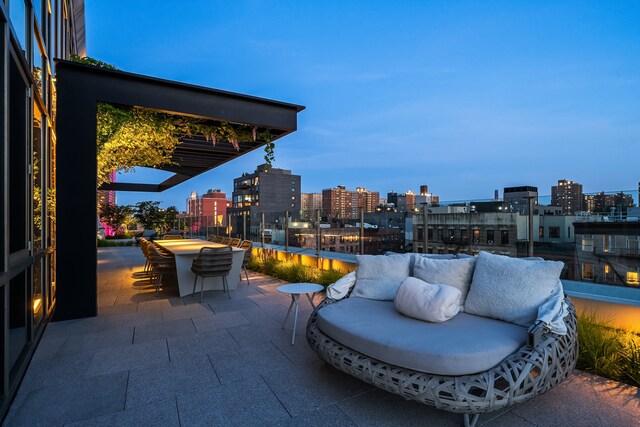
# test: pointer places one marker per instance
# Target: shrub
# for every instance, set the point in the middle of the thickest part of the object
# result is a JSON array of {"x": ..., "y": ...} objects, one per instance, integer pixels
[
  {"x": 631, "y": 363},
  {"x": 328, "y": 277},
  {"x": 120, "y": 236},
  {"x": 608, "y": 352},
  {"x": 270, "y": 266},
  {"x": 294, "y": 273}
]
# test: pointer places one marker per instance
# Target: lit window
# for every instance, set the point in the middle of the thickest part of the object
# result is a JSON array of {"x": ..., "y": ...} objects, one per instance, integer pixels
[
  {"x": 587, "y": 271},
  {"x": 632, "y": 278}
]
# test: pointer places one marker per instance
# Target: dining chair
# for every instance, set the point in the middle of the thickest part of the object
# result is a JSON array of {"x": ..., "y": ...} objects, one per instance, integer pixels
[
  {"x": 234, "y": 243},
  {"x": 161, "y": 264},
  {"x": 172, "y": 237},
  {"x": 145, "y": 251},
  {"x": 212, "y": 262},
  {"x": 247, "y": 245}
]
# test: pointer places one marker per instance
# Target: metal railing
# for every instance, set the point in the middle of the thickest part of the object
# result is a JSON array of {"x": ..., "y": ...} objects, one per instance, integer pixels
[{"x": 523, "y": 228}]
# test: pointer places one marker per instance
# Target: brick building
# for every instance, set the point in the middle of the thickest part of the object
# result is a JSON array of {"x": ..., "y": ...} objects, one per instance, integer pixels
[
  {"x": 212, "y": 206},
  {"x": 340, "y": 203}
]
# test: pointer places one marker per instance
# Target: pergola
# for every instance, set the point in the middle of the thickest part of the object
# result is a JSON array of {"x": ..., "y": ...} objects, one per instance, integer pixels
[{"x": 79, "y": 88}]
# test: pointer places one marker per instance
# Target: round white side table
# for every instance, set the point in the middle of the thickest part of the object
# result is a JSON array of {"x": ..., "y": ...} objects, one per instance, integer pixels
[{"x": 295, "y": 290}]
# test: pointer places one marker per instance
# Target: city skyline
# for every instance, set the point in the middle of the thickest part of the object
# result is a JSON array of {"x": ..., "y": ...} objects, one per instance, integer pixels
[
  {"x": 511, "y": 94},
  {"x": 545, "y": 196}
]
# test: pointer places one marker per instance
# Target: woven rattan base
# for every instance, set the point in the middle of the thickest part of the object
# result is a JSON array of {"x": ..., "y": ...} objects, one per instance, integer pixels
[{"x": 521, "y": 376}]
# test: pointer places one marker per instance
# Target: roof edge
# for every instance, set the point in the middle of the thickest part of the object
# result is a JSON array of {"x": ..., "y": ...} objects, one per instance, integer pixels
[{"x": 134, "y": 76}]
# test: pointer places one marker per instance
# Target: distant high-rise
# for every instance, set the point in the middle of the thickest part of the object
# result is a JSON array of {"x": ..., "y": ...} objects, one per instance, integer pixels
[
  {"x": 424, "y": 190},
  {"x": 496, "y": 195},
  {"x": 267, "y": 190},
  {"x": 310, "y": 202},
  {"x": 602, "y": 203},
  {"x": 339, "y": 202},
  {"x": 516, "y": 199},
  {"x": 410, "y": 201},
  {"x": 568, "y": 195}
]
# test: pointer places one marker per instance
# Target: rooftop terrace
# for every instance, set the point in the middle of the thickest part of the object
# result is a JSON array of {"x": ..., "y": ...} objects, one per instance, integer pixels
[{"x": 175, "y": 361}]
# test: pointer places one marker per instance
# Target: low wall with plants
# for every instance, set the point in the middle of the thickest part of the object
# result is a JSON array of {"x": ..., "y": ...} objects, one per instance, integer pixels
[
  {"x": 294, "y": 272},
  {"x": 607, "y": 351}
]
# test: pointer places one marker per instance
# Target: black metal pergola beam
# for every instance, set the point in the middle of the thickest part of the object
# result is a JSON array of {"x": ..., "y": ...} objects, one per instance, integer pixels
[{"x": 79, "y": 88}]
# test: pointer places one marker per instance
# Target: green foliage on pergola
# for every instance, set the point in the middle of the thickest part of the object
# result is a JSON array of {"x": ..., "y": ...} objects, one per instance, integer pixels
[{"x": 131, "y": 136}]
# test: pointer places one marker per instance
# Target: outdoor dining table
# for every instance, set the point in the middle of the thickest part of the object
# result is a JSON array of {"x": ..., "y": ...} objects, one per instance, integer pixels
[{"x": 185, "y": 250}]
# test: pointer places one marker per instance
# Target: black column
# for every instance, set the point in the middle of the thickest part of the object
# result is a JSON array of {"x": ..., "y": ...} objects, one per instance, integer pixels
[{"x": 76, "y": 200}]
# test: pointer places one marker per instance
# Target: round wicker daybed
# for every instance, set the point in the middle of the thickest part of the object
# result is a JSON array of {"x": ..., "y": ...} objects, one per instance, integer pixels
[{"x": 531, "y": 370}]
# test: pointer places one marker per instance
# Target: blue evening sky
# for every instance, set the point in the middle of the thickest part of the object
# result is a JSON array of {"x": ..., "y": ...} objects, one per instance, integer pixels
[{"x": 464, "y": 96}]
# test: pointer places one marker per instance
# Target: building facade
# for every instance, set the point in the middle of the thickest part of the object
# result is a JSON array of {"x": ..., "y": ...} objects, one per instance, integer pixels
[
  {"x": 310, "y": 203},
  {"x": 608, "y": 252},
  {"x": 268, "y": 190},
  {"x": 567, "y": 194},
  {"x": 516, "y": 199},
  {"x": 211, "y": 208},
  {"x": 35, "y": 32},
  {"x": 347, "y": 239},
  {"x": 467, "y": 232},
  {"x": 340, "y": 203}
]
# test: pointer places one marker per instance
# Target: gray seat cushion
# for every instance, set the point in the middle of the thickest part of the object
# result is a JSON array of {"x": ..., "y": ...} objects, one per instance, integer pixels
[{"x": 465, "y": 344}]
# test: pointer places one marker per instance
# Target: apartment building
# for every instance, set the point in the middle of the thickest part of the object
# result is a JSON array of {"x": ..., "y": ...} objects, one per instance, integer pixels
[
  {"x": 568, "y": 195},
  {"x": 310, "y": 203},
  {"x": 267, "y": 190},
  {"x": 210, "y": 208},
  {"x": 340, "y": 203}
]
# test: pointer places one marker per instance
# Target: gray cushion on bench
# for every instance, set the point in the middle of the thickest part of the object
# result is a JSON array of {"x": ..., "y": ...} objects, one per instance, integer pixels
[{"x": 465, "y": 344}]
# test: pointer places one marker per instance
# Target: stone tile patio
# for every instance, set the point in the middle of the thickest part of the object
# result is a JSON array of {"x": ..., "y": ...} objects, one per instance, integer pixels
[{"x": 174, "y": 361}]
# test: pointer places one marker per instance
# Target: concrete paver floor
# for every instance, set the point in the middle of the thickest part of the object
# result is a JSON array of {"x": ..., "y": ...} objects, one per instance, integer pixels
[{"x": 175, "y": 361}]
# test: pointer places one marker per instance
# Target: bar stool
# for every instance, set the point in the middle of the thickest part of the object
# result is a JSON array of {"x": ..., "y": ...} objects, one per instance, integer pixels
[{"x": 212, "y": 262}]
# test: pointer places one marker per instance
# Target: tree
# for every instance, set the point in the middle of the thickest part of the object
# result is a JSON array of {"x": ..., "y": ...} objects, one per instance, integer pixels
[
  {"x": 170, "y": 217},
  {"x": 115, "y": 216},
  {"x": 149, "y": 215}
]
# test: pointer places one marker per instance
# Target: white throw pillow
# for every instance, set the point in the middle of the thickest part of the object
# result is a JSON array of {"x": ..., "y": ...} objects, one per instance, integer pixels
[
  {"x": 511, "y": 289},
  {"x": 378, "y": 276},
  {"x": 453, "y": 272},
  {"x": 426, "y": 301},
  {"x": 340, "y": 288}
]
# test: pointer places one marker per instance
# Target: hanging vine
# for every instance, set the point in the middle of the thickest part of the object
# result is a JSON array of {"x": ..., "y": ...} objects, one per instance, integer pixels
[{"x": 132, "y": 136}]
